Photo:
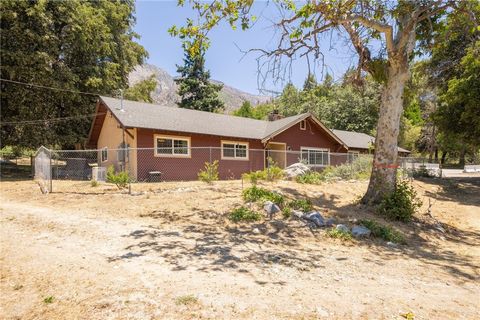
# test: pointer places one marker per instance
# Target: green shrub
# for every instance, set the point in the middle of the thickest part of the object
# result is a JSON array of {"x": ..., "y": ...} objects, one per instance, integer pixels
[
  {"x": 401, "y": 204},
  {"x": 304, "y": 205},
  {"x": 387, "y": 233},
  {"x": 311, "y": 177},
  {"x": 210, "y": 172},
  {"x": 254, "y": 194},
  {"x": 274, "y": 173},
  {"x": 255, "y": 176},
  {"x": 339, "y": 234},
  {"x": 48, "y": 299},
  {"x": 422, "y": 172},
  {"x": 120, "y": 179},
  {"x": 271, "y": 173},
  {"x": 359, "y": 169},
  {"x": 287, "y": 212},
  {"x": 94, "y": 183},
  {"x": 244, "y": 214}
]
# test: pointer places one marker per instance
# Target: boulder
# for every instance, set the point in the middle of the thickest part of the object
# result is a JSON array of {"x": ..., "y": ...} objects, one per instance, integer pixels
[
  {"x": 342, "y": 227},
  {"x": 271, "y": 208},
  {"x": 360, "y": 231},
  {"x": 316, "y": 218},
  {"x": 297, "y": 214},
  {"x": 330, "y": 222},
  {"x": 296, "y": 169}
]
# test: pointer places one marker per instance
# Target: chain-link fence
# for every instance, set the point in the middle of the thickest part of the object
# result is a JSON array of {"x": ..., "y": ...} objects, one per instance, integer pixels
[
  {"x": 16, "y": 164},
  {"x": 85, "y": 171}
]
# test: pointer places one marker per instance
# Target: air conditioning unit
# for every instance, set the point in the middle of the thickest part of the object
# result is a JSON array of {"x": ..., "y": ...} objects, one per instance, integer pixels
[{"x": 99, "y": 174}]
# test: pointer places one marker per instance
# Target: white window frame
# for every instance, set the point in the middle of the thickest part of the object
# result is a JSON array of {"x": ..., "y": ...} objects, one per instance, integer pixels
[
  {"x": 172, "y": 155},
  {"x": 243, "y": 143},
  {"x": 355, "y": 154},
  {"x": 303, "y": 149},
  {"x": 106, "y": 154},
  {"x": 303, "y": 125}
]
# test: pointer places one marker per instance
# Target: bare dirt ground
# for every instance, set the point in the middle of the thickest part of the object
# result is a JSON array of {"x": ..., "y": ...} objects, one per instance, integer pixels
[{"x": 170, "y": 252}]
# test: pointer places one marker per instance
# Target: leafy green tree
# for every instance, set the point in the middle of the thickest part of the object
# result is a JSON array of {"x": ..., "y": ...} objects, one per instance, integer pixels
[
  {"x": 142, "y": 90},
  {"x": 459, "y": 111},
  {"x": 396, "y": 24},
  {"x": 74, "y": 45},
  {"x": 194, "y": 86},
  {"x": 454, "y": 68},
  {"x": 258, "y": 112}
]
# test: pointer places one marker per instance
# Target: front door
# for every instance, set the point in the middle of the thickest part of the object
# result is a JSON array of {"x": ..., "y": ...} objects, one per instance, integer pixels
[{"x": 277, "y": 152}]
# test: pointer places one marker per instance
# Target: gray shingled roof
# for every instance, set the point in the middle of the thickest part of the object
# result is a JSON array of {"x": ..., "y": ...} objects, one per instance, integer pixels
[
  {"x": 151, "y": 116},
  {"x": 357, "y": 139},
  {"x": 170, "y": 118}
]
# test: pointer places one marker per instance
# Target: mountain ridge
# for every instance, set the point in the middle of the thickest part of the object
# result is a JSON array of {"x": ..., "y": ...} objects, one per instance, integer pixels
[{"x": 166, "y": 90}]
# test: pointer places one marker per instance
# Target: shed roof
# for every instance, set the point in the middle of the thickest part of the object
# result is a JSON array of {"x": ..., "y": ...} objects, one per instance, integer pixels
[{"x": 358, "y": 140}]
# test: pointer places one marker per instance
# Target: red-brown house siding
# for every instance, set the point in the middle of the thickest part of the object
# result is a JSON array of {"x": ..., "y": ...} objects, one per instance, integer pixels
[
  {"x": 314, "y": 137},
  {"x": 188, "y": 168}
]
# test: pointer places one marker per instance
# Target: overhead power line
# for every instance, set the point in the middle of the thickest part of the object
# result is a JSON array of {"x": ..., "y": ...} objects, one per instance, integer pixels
[
  {"x": 43, "y": 121},
  {"x": 47, "y": 87}
]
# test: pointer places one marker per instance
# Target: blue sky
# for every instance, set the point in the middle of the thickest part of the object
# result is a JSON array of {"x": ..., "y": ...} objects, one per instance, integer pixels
[{"x": 224, "y": 59}]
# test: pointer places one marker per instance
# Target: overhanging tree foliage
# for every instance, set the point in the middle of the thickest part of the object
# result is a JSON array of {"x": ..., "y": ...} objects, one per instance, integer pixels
[
  {"x": 75, "y": 45},
  {"x": 141, "y": 91},
  {"x": 395, "y": 25}
]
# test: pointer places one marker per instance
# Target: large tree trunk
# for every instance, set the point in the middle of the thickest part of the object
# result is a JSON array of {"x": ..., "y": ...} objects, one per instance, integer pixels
[{"x": 384, "y": 171}]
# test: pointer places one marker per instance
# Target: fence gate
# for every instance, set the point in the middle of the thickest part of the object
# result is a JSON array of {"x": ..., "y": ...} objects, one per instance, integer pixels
[{"x": 43, "y": 169}]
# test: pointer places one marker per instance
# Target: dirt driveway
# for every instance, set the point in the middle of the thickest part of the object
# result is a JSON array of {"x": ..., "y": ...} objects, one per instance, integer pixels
[{"x": 171, "y": 253}]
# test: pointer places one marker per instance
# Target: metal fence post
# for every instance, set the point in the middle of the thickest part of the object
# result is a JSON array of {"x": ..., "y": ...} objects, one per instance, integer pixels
[{"x": 51, "y": 170}]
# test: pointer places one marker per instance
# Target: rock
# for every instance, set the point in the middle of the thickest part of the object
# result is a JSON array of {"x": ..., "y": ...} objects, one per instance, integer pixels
[
  {"x": 391, "y": 244},
  {"x": 330, "y": 222},
  {"x": 256, "y": 231},
  {"x": 342, "y": 227},
  {"x": 296, "y": 169},
  {"x": 271, "y": 208},
  {"x": 297, "y": 214},
  {"x": 316, "y": 218},
  {"x": 360, "y": 231}
]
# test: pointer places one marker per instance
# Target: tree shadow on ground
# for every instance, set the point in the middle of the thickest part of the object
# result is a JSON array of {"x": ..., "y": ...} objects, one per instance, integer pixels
[
  {"x": 464, "y": 190},
  {"x": 214, "y": 244},
  {"x": 222, "y": 247}
]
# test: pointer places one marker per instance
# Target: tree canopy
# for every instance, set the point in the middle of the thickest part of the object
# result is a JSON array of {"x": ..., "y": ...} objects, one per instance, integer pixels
[
  {"x": 195, "y": 89},
  {"x": 74, "y": 45},
  {"x": 397, "y": 27},
  {"x": 141, "y": 91}
]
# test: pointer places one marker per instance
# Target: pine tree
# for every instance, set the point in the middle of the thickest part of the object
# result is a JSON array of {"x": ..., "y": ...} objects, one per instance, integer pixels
[
  {"x": 310, "y": 82},
  {"x": 194, "y": 86}
]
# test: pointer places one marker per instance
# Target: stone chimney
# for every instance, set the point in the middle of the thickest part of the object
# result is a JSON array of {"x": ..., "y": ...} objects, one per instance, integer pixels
[{"x": 274, "y": 115}]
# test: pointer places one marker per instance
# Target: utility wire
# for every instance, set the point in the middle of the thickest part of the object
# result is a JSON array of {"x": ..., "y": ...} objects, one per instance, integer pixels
[
  {"x": 7, "y": 123},
  {"x": 43, "y": 121},
  {"x": 47, "y": 87}
]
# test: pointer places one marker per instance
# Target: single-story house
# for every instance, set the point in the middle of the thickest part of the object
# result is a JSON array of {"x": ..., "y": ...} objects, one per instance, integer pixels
[
  {"x": 176, "y": 142},
  {"x": 361, "y": 143}
]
